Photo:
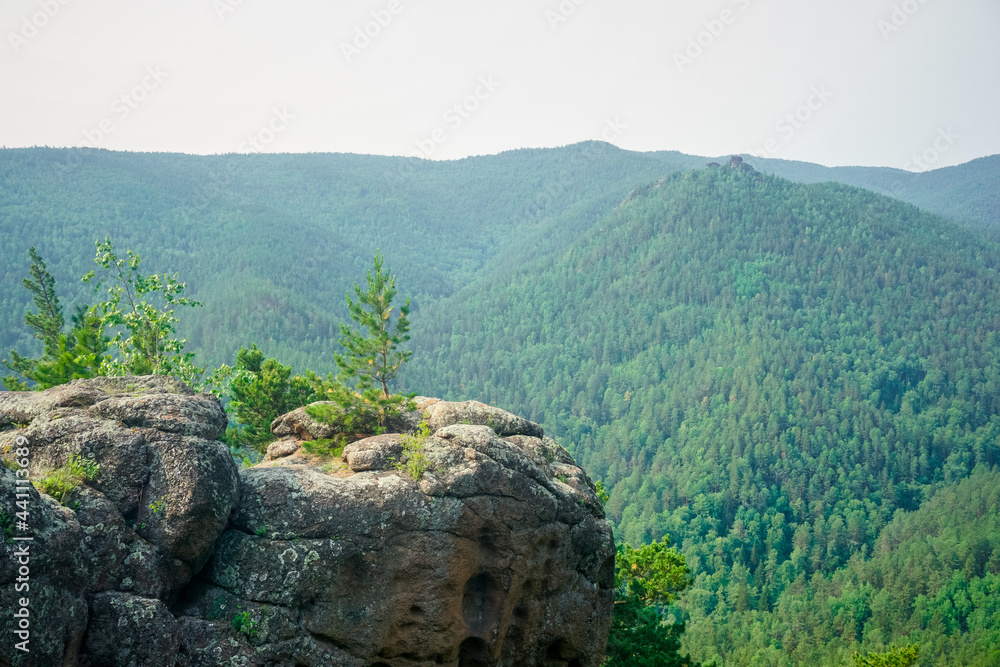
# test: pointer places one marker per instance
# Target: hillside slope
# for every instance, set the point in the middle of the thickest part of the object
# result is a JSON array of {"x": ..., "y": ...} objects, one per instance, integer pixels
[
  {"x": 932, "y": 579},
  {"x": 968, "y": 194},
  {"x": 767, "y": 371}
]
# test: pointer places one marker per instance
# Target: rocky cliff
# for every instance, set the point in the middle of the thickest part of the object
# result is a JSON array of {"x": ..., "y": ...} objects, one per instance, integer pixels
[{"x": 481, "y": 544}]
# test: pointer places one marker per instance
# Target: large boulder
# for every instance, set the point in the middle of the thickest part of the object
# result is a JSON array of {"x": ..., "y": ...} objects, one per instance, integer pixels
[
  {"x": 50, "y": 571},
  {"x": 130, "y": 630},
  {"x": 469, "y": 548},
  {"x": 445, "y": 413},
  {"x": 129, "y": 539}
]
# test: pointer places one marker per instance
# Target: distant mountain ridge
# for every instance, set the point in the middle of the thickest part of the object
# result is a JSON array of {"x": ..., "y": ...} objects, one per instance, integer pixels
[
  {"x": 254, "y": 234},
  {"x": 968, "y": 193}
]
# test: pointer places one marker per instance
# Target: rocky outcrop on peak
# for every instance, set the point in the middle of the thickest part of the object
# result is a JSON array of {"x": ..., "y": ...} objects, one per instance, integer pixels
[
  {"x": 737, "y": 163},
  {"x": 480, "y": 543}
]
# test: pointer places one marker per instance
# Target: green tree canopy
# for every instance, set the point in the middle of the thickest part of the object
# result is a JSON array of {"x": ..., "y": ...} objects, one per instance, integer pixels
[
  {"x": 372, "y": 357},
  {"x": 260, "y": 391},
  {"x": 67, "y": 356},
  {"x": 646, "y": 580},
  {"x": 144, "y": 330},
  {"x": 904, "y": 656}
]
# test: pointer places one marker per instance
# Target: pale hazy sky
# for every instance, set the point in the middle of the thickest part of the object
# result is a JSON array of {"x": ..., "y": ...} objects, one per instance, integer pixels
[{"x": 871, "y": 82}]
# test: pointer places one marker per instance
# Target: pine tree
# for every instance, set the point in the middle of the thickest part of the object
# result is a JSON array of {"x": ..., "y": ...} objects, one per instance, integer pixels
[
  {"x": 67, "y": 356},
  {"x": 372, "y": 358},
  {"x": 48, "y": 321},
  {"x": 78, "y": 354},
  {"x": 262, "y": 390}
]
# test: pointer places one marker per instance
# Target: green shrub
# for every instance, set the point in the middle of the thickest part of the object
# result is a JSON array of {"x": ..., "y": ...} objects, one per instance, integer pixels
[
  {"x": 494, "y": 425},
  {"x": 62, "y": 481},
  {"x": 243, "y": 622},
  {"x": 260, "y": 390},
  {"x": 325, "y": 446},
  {"x": 83, "y": 468},
  {"x": 57, "y": 483},
  {"x": 602, "y": 493},
  {"x": 415, "y": 461}
]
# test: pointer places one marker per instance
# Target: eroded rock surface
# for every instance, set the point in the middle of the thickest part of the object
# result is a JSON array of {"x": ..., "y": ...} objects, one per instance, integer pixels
[
  {"x": 491, "y": 551},
  {"x": 480, "y": 545}
]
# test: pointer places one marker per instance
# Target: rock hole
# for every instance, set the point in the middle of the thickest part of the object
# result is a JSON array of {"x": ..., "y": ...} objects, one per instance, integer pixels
[
  {"x": 355, "y": 569},
  {"x": 486, "y": 539},
  {"x": 416, "y": 610},
  {"x": 555, "y": 650},
  {"x": 514, "y": 642},
  {"x": 472, "y": 653},
  {"x": 479, "y": 603}
]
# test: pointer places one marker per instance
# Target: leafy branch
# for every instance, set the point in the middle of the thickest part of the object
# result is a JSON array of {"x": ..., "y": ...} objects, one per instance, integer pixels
[{"x": 143, "y": 336}]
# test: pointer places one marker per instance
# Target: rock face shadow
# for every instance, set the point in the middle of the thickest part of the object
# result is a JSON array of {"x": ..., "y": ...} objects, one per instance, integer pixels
[{"x": 472, "y": 653}]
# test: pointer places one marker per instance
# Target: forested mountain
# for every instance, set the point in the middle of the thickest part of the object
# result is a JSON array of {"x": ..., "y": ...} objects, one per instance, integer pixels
[
  {"x": 770, "y": 373},
  {"x": 270, "y": 242},
  {"x": 794, "y": 381},
  {"x": 967, "y": 194},
  {"x": 932, "y": 577}
]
